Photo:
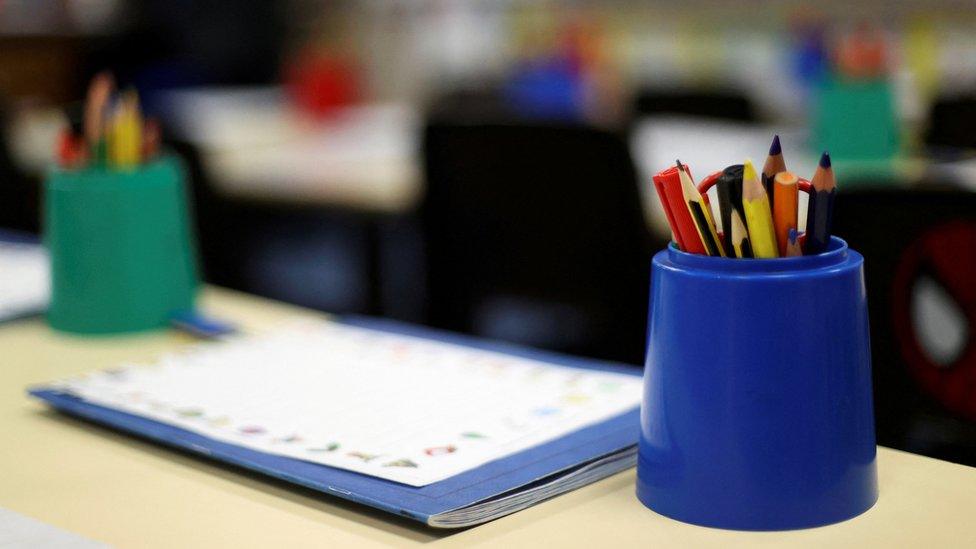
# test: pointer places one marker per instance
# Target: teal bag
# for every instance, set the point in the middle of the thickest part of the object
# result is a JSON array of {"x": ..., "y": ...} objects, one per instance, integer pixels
[{"x": 122, "y": 251}]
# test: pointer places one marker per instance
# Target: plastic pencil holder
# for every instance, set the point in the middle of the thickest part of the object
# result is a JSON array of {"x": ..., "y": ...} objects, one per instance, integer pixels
[
  {"x": 122, "y": 250},
  {"x": 757, "y": 411},
  {"x": 856, "y": 120}
]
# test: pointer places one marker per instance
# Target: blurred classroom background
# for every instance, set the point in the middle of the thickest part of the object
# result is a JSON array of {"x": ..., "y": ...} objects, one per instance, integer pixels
[{"x": 484, "y": 165}]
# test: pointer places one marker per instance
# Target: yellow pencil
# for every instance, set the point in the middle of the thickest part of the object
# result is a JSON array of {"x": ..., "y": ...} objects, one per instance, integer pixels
[
  {"x": 125, "y": 145},
  {"x": 759, "y": 218},
  {"x": 700, "y": 213},
  {"x": 113, "y": 135}
]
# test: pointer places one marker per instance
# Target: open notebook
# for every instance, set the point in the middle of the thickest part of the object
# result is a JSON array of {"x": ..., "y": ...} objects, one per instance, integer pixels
[{"x": 443, "y": 429}]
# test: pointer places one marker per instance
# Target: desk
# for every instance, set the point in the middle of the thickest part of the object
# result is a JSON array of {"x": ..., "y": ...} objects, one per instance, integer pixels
[
  {"x": 252, "y": 145},
  {"x": 126, "y": 492}
]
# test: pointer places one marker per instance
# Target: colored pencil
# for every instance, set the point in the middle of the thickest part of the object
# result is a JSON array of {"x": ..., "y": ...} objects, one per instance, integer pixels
[
  {"x": 793, "y": 244},
  {"x": 666, "y": 206},
  {"x": 785, "y": 197},
  {"x": 95, "y": 114},
  {"x": 820, "y": 209},
  {"x": 700, "y": 213},
  {"x": 125, "y": 136},
  {"x": 668, "y": 183},
  {"x": 152, "y": 139},
  {"x": 728, "y": 187},
  {"x": 71, "y": 151},
  {"x": 739, "y": 237},
  {"x": 774, "y": 164},
  {"x": 759, "y": 218}
]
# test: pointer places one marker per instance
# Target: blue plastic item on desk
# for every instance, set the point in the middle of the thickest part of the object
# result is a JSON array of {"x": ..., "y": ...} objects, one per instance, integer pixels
[
  {"x": 757, "y": 411},
  {"x": 546, "y": 89}
]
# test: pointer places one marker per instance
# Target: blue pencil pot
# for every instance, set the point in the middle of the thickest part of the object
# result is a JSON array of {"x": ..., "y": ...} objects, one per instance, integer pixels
[{"x": 757, "y": 411}]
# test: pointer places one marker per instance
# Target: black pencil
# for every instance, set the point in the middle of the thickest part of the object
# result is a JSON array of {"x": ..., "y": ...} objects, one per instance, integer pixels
[{"x": 728, "y": 187}]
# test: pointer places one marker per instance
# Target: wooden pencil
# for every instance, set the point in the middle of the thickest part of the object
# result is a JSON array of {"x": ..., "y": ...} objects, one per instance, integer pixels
[
  {"x": 820, "y": 209},
  {"x": 152, "y": 138},
  {"x": 700, "y": 213},
  {"x": 666, "y": 206},
  {"x": 774, "y": 164},
  {"x": 793, "y": 244},
  {"x": 759, "y": 218},
  {"x": 95, "y": 115},
  {"x": 684, "y": 229},
  {"x": 739, "y": 237},
  {"x": 728, "y": 187},
  {"x": 125, "y": 137},
  {"x": 785, "y": 199}
]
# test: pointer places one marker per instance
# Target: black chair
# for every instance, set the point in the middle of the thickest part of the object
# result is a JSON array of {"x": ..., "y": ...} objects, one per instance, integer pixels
[
  {"x": 314, "y": 256},
  {"x": 535, "y": 234},
  {"x": 951, "y": 122},
  {"x": 712, "y": 104},
  {"x": 919, "y": 248},
  {"x": 20, "y": 194}
]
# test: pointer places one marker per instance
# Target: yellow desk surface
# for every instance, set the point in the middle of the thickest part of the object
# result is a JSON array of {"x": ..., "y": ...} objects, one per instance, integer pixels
[{"x": 129, "y": 493}]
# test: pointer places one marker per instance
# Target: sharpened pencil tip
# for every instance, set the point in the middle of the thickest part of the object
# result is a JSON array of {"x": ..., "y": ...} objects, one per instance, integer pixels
[
  {"x": 825, "y": 160},
  {"x": 679, "y": 165},
  {"x": 775, "y": 148},
  {"x": 748, "y": 170}
]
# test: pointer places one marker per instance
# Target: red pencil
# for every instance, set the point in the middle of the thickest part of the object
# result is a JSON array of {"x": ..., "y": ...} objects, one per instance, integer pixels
[
  {"x": 682, "y": 225},
  {"x": 663, "y": 197}
]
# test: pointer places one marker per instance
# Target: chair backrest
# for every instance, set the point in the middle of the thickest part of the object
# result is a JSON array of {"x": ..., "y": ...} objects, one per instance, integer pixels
[
  {"x": 919, "y": 248},
  {"x": 950, "y": 123},
  {"x": 711, "y": 104},
  {"x": 535, "y": 233}
]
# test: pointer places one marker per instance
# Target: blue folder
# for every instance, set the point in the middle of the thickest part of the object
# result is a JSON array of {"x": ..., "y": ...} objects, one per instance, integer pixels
[{"x": 522, "y": 479}]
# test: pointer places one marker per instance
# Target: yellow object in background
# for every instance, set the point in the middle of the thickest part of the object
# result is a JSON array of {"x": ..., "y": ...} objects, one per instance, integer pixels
[
  {"x": 125, "y": 133},
  {"x": 759, "y": 217},
  {"x": 921, "y": 53}
]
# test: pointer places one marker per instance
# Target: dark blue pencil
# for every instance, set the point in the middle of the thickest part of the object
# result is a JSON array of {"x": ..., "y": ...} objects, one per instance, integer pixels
[
  {"x": 820, "y": 210},
  {"x": 774, "y": 164}
]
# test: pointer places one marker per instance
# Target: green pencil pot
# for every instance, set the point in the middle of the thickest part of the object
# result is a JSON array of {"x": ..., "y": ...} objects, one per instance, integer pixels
[
  {"x": 856, "y": 120},
  {"x": 122, "y": 250}
]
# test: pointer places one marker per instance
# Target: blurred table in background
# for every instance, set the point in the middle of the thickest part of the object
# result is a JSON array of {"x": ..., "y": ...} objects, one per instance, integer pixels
[
  {"x": 254, "y": 145},
  {"x": 298, "y": 207}
]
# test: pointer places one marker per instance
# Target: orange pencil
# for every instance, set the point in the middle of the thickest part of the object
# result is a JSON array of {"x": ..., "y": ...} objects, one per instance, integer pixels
[
  {"x": 785, "y": 200},
  {"x": 793, "y": 248}
]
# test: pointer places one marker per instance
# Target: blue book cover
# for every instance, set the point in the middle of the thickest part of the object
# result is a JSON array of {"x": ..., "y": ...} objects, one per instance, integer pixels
[{"x": 491, "y": 490}]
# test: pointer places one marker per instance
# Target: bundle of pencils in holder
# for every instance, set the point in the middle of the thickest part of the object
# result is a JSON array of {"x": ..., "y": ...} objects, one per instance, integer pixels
[
  {"x": 759, "y": 211},
  {"x": 109, "y": 132}
]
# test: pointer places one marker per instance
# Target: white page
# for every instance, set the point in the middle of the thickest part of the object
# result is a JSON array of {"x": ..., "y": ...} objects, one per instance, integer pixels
[
  {"x": 24, "y": 279},
  {"x": 401, "y": 408}
]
